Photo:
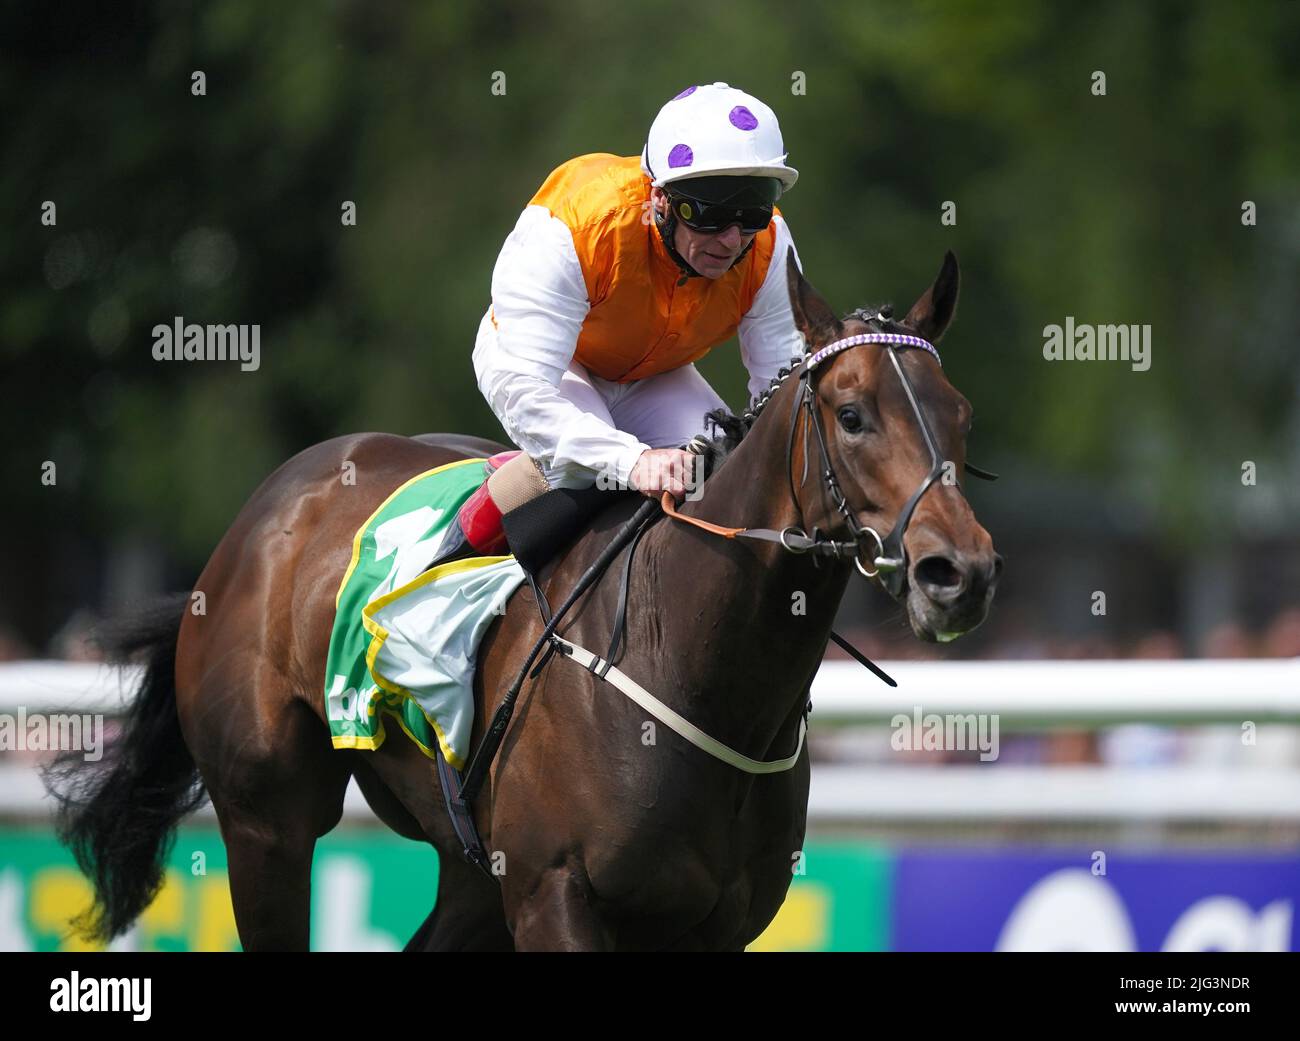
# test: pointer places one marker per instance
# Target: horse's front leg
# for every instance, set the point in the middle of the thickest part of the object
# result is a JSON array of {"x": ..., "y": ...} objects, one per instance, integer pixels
[{"x": 559, "y": 914}]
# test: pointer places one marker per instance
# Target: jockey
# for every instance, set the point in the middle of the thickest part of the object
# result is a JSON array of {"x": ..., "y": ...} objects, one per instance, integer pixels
[{"x": 617, "y": 277}]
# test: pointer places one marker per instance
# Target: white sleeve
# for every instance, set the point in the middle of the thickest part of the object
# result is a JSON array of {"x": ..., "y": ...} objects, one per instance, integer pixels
[
  {"x": 539, "y": 301},
  {"x": 768, "y": 338}
]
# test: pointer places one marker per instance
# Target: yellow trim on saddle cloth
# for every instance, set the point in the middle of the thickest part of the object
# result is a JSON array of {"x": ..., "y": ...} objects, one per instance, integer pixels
[
  {"x": 379, "y": 634},
  {"x": 371, "y": 744},
  {"x": 361, "y": 531}
]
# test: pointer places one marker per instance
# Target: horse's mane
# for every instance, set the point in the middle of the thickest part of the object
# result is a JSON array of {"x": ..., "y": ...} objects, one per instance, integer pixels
[{"x": 731, "y": 429}]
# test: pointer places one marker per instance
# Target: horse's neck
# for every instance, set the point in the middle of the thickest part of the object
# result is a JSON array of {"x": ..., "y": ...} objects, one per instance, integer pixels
[{"x": 745, "y": 622}]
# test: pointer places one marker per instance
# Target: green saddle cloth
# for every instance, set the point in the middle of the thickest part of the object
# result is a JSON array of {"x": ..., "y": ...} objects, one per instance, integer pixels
[{"x": 405, "y": 639}]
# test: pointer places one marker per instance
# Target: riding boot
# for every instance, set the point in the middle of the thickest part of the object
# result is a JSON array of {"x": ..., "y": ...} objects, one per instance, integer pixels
[{"x": 476, "y": 529}]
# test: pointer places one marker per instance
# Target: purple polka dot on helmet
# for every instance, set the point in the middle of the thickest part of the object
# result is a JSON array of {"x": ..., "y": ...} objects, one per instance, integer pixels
[
  {"x": 688, "y": 90},
  {"x": 681, "y": 155},
  {"x": 741, "y": 118}
]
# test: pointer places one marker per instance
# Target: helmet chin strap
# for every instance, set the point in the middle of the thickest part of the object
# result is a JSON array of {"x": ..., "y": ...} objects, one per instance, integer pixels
[
  {"x": 667, "y": 226},
  {"x": 668, "y": 231}
]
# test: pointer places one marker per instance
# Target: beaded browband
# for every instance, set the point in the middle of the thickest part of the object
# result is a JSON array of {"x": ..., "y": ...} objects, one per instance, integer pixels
[{"x": 900, "y": 339}]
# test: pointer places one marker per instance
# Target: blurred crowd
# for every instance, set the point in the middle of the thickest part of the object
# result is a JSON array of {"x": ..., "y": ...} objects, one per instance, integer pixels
[
  {"x": 1011, "y": 636},
  {"x": 74, "y": 641},
  {"x": 1273, "y": 746}
]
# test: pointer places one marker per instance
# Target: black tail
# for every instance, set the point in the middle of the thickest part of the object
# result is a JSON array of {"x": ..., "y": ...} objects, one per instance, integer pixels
[{"x": 119, "y": 816}]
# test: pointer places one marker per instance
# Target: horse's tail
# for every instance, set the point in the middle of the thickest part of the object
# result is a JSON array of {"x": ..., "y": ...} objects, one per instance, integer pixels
[{"x": 119, "y": 816}]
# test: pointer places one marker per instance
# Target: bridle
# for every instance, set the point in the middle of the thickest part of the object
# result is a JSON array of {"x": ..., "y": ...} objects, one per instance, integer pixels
[{"x": 888, "y": 556}]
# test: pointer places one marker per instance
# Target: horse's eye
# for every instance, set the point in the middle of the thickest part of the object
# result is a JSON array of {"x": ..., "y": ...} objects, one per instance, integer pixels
[{"x": 850, "y": 420}]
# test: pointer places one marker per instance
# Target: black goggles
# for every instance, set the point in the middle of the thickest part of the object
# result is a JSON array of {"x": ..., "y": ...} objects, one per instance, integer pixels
[{"x": 711, "y": 217}]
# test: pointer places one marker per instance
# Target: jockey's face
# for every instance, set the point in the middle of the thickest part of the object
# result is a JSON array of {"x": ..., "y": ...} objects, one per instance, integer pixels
[{"x": 709, "y": 254}]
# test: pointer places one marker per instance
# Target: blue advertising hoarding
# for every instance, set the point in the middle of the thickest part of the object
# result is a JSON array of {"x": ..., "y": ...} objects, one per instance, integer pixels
[{"x": 959, "y": 900}]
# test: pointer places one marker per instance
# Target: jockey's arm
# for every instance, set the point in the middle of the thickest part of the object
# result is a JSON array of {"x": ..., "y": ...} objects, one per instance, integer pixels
[
  {"x": 767, "y": 334},
  {"x": 539, "y": 300}
]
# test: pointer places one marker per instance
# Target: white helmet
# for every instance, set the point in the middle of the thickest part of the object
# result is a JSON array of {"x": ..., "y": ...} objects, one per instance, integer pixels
[{"x": 715, "y": 129}]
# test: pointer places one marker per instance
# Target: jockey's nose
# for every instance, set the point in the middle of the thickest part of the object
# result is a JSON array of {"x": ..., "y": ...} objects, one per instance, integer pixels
[{"x": 730, "y": 237}]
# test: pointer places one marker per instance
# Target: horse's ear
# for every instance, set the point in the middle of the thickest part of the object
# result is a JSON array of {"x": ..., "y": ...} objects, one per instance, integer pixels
[
  {"x": 812, "y": 315},
  {"x": 931, "y": 314}
]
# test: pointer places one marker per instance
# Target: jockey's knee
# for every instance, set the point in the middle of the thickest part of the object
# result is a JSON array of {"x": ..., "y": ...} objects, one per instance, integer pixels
[{"x": 567, "y": 475}]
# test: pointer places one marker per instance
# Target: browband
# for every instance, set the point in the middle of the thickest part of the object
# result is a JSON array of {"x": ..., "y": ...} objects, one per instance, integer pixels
[{"x": 900, "y": 339}]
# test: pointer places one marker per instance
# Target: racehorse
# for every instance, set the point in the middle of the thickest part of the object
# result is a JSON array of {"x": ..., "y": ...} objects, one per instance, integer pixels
[{"x": 605, "y": 838}]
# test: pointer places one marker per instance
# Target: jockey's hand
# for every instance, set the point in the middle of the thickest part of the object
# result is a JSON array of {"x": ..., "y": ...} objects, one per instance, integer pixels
[{"x": 659, "y": 470}]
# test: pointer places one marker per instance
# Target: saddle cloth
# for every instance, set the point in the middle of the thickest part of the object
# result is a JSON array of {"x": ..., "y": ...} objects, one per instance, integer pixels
[{"x": 405, "y": 640}]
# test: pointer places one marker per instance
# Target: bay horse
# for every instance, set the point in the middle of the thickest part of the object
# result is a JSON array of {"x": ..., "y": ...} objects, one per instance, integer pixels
[{"x": 605, "y": 839}]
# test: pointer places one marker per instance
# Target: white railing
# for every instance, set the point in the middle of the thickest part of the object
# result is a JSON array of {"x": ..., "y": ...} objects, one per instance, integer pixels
[
  {"x": 60, "y": 686},
  {"x": 1083, "y": 694},
  {"x": 1056, "y": 693},
  {"x": 1067, "y": 693}
]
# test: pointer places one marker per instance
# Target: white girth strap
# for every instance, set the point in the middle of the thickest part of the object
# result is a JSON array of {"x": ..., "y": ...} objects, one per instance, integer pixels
[{"x": 675, "y": 722}]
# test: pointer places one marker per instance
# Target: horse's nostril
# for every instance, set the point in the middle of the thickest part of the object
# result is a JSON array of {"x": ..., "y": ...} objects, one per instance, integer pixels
[
  {"x": 997, "y": 566},
  {"x": 938, "y": 573}
]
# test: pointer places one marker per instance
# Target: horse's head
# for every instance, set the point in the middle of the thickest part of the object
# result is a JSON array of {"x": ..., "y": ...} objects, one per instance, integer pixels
[{"x": 882, "y": 418}]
